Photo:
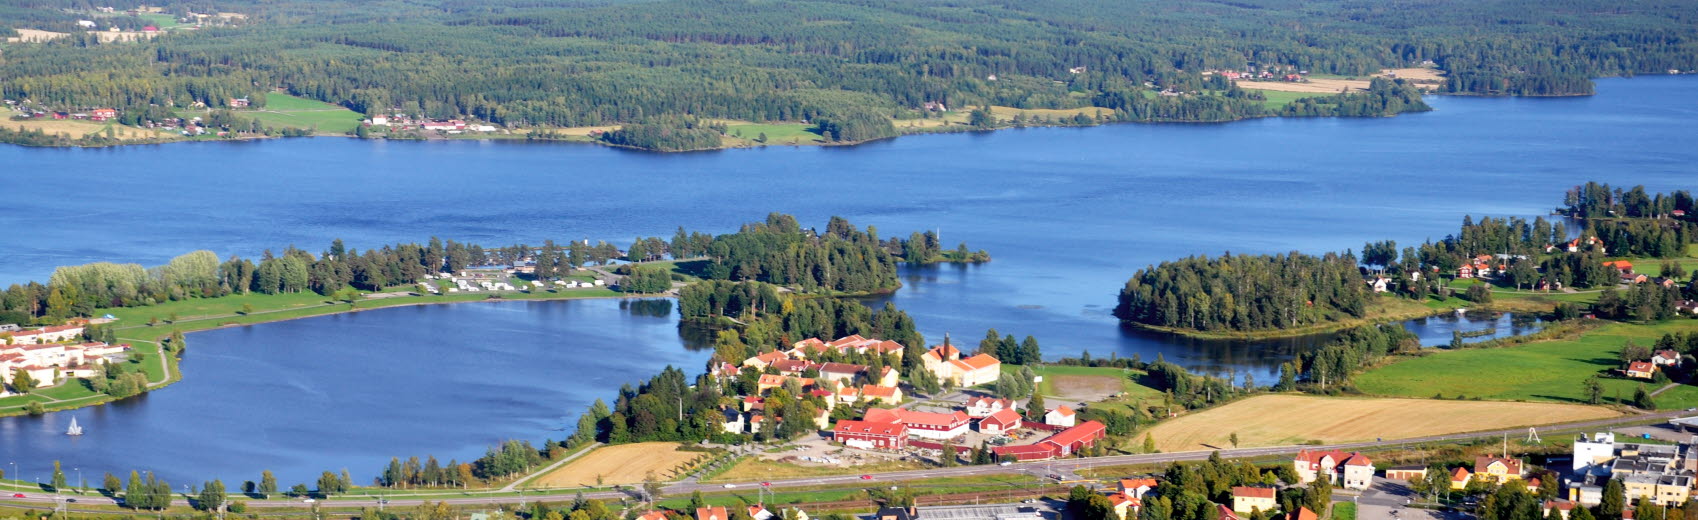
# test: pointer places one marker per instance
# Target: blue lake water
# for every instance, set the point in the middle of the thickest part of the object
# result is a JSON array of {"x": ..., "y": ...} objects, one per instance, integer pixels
[{"x": 1068, "y": 214}]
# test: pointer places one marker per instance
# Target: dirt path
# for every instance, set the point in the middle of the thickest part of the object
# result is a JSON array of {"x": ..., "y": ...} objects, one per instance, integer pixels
[
  {"x": 1664, "y": 388},
  {"x": 510, "y": 487}
]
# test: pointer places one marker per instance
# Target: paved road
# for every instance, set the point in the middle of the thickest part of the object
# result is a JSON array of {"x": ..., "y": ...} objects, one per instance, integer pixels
[{"x": 883, "y": 479}]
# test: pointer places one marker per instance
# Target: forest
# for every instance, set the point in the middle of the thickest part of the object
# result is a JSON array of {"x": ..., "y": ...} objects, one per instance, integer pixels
[
  {"x": 1241, "y": 293},
  {"x": 844, "y": 66}
]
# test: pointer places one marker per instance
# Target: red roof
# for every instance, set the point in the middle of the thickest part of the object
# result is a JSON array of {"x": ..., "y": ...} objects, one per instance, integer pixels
[
  {"x": 1640, "y": 366},
  {"x": 1089, "y": 430},
  {"x": 870, "y": 428},
  {"x": 1120, "y": 499},
  {"x": 1063, "y": 410},
  {"x": 1024, "y": 451},
  {"x": 1255, "y": 492},
  {"x": 1003, "y": 418},
  {"x": 711, "y": 513},
  {"x": 1135, "y": 483},
  {"x": 842, "y": 368},
  {"x": 913, "y": 418},
  {"x": 1303, "y": 513},
  {"x": 1358, "y": 459},
  {"x": 1226, "y": 513}
]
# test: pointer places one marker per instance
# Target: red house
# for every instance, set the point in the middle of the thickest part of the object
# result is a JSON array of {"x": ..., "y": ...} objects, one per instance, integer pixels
[
  {"x": 1023, "y": 452},
  {"x": 102, "y": 114},
  {"x": 1000, "y": 423},
  {"x": 871, "y": 435},
  {"x": 1076, "y": 438}
]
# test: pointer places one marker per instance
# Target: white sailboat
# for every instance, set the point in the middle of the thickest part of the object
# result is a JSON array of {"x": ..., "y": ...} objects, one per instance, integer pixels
[{"x": 74, "y": 430}]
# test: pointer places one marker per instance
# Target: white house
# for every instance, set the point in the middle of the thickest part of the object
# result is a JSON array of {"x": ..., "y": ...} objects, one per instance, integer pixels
[{"x": 1061, "y": 416}]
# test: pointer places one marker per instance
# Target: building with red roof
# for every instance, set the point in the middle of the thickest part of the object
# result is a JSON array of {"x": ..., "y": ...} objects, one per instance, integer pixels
[
  {"x": 930, "y": 425},
  {"x": 1073, "y": 439},
  {"x": 712, "y": 513},
  {"x": 871, "y": 435},
  {"x": 1351, "y": 470},
  {"x": 1000, "y": 423},
  {"x": 1246, "y": 499}
]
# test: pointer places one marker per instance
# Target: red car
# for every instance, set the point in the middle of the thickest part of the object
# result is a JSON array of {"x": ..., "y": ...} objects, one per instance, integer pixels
[
  {"x": 866, "y": 477},
  {"x": 18, "y": 495}
]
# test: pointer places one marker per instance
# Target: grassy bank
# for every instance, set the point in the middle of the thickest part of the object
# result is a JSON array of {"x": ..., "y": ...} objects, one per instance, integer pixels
[
  {"x": 1553, "y": 370},
  {"x": 1386, "y": 308}
]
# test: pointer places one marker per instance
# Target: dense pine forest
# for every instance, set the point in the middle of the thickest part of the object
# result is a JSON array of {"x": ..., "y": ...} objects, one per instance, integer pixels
[{"x": 846, "y": 66}]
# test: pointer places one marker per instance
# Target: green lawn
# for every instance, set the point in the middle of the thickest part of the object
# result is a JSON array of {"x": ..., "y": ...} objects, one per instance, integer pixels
[
  {"x": 1277, "y": 98},
  {"x": 776, "y": 133},
  {"x": 1344, "y": 511},
  {"x": 1544, "y": 371},
  {"x": 160, "y": 20},
  {"x": 283, "y": 110}
]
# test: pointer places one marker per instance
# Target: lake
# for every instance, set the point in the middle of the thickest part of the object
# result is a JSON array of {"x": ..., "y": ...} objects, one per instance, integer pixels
[{"x": 1068, "y": 214}]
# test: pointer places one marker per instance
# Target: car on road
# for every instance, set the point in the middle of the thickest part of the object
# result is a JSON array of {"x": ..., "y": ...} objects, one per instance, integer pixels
[
  {"x": 1006, "y": 463},
  {"x": 18, "y": 495},
  {"x": 1054, "y": 476},
  {"x": 71, "y": 500},
  {"x": 866, "y": 477},
  {"x": 308, "y": 501},
  {"x": 730, "y": 486}
]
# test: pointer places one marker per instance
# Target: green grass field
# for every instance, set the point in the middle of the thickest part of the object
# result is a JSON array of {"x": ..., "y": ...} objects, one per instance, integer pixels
[
  {"x": 283, "y": 110},
  {"x": 1277, "y": 99},
  {"x": 776, "y": 133},
  {"x": 160, "y": 20},
  {"x": 1544, "y": 371}
]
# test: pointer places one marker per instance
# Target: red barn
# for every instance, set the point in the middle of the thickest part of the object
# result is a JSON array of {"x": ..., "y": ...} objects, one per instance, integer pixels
[
  {"x": 1076, "y": 438},
  {"x": 1024, "y": 452}
]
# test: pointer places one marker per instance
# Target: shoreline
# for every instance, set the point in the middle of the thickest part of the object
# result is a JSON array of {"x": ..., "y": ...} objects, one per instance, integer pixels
[{"x": 1321, "y": 328}]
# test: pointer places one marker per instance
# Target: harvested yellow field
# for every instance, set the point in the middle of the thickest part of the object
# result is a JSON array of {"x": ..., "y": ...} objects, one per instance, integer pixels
[
  {"x": 1418, "y": 75},
  {"x": 81, "y": 128},
  {"x": 622, "y": 464},
  {"x": 1277, "y": 420},
  {"x": 35, "y": 36},
  {"x": 1308, "y": 86}
]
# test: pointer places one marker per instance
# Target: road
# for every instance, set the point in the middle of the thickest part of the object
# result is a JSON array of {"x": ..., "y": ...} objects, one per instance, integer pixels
[{"x": 882, "y": 479}]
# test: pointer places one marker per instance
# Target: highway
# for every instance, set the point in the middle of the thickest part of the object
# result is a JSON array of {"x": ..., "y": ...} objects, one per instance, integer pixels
[{"x": 1038, "y": 468}]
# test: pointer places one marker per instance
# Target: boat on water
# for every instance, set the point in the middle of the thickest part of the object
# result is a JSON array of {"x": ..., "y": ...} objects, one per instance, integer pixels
[{"x": 74, "y": 429}]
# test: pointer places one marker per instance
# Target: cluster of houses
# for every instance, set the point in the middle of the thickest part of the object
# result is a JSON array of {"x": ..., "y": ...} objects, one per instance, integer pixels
[
  {"x": 1660, "y": 473},
  {"x": 1265, "y": 74},
  {"x": 1661, "y": 360},
  {"x": 450, "y": 126},
  {"x": 51, "y": 354},
  {"x": 469, "y": 282},
  {"x": 756, "y": 512}
]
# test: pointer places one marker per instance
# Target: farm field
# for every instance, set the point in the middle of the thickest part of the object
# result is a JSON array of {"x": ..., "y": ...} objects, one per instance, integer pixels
[
  {"x": 283, "y": 110},
  {"x": 1008, "y": 113},
  {"x": 1312, "y": 85},
  {"x": 1273, "y": 420},
  {"x": 621, "y": 464},
  {"x": 83, "y": 128},
  {"x": 776, "y": 133},
  {"x": 1543, "y": 371},
  {"x": 1276, "y": 99}
]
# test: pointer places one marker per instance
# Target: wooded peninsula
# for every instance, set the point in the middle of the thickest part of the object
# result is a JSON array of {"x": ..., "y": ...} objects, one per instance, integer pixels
[{"x": 699, "y": 74}]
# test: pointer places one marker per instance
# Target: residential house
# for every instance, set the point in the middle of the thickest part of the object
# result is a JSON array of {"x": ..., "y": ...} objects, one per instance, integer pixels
[
  {"x": 1246, "y": 499},
  {"x": 1061, "y": 416},
  {"x": 985, "y": 406},
  {"x": 1136, "y": 487},
  {"x": 1125, "y": 506},
  {"x": 712, "y": 513},
  {"x": 1350, "y": 470},
  {"x": 1002, "y": 422},
  {"x": 1226, "y": 513},
  {"x": 653, "y": 515},
  {"x": 938, "y": 355},
  {"x": 881, "y": 394},
  {"x": 841, "y": 372},
  {"x": 1620, "y": 265},
  {"x": 1640, "y": 370},
  {"x": 1302, "y": 513},
  {"x": 762, "y": 361},
  {"x": 1497, "y": 470},
  {"x": 1465, "y": 271},
  {"x": 1633, "y": 278},
  {"x": 1459, "y": 479},
  {"x": 869, "y": 435},
  {"x": 759, "y": 512},
  {"x": 733, "y": 421},
  {"x": 1686, "y": 307},
  {"x": 1666, "y": 358},
  {"x": 848, "y": 394},
  {"x": 1562, "y": 507},
  {"x": 102, "y": 114},
  {"x": 1380, "y": 284},
  {"x": 793, "y": 367}
]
